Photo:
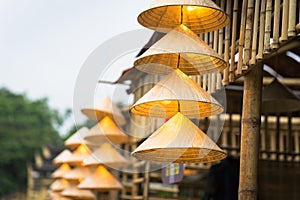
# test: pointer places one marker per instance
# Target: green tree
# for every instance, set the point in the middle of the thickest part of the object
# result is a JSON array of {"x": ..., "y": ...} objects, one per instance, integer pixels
[{"x": 25, "y": 126}]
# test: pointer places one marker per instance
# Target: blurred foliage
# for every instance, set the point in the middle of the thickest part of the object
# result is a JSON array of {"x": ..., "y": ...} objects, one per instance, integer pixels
[{"x": 25, "y": 126}]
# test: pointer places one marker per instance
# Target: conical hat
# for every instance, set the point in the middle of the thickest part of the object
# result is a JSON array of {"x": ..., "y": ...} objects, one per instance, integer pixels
[
  {"x": 106, "y": 131},
  {"x": 61, "y": 171},
  {"x": 106, "y": 155},
  {"x": 102, "y": 108},
  {"x": 76, "y": 139},
  {"x": 59, "y": 185},
  {"x": 80, "y": 153},
  {"x": 177, "y": 92},
  {"x": 57, "y": 196},
  {"x": 200, "y": 16},
  {"x": 101, "y": 179},
  {"x": 182, "y": 49},
  {"x": 73, "y": 191},
  {"x": 179, "y": 141},
  {"x": 77, "y": 173},
  {"x": 60, "y": 158}
]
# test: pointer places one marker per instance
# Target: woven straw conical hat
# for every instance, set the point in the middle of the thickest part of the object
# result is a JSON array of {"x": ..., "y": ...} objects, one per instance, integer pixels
[
  {"x": 182, "y": 49},
  {"x": 102, "y": 108},
  {"x": 59, "y": 185},
  {"x": 79, "y": 154},
  {"x": 101, "y": 179},
  {"x": 73, "y": 192},
  {"x": 200, "y": 16},
  {"x": 106, "y": 155},
  {"x": 57, "y": 196},
  {"x": 106, "y": 131},
  {"x": 58, "y": 173},
  {"x": 177, "y": 93},
  {"x": 77, "y": 173},
  {"x": 62, "y": 157},
  {"x": 76, "y": 139},
  {"x": 179, "y": 141}
]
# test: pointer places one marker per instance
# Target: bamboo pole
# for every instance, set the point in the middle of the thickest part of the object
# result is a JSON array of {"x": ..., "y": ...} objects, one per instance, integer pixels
[
  {"x": 214, "y": 75},
  {"x": 268, "y": 27},
  {"x": 204, "y": 86},
  {"x": 248, "y": 32},
  {"x": 261, "y": 30},
  {"x": 276, "y": 21},
  {"x": 233, "y": 41},
  {"x": 250, "y": 134},
  {"x": 292, "y": 18},
  {"x": 227, "y": 43},
  {"x": 284, "y": 24},
  {"x": 242, "y": 37},
  {"x": 255, "y": 33}
]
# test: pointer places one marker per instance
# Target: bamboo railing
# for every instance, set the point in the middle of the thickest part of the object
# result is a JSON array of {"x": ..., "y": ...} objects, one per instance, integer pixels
[
  {"x": 279, "y": 137},
  {"x": 257, "y": 28}
]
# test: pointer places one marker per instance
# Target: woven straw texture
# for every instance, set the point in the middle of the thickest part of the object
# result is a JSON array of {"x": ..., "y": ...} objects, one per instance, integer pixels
[
  {"x": 79, "y": 154},
  {"x": 102, "y": 108},
  {"x": 59, "y": 173},
  {"x": 177, "y": 93},
  {"x": 200, "y": 16},
  {"x": 179, "y": 141},
  {"x": 73, "y": 192},
  {"x": 180, "y": 49},
  {"x": 101, "y": 179},
  {"x": 106, "y": 131},
  {"x": 106, "y": 155},
  {"x": 59, "y": 185},
  {"x": 76, "y": 139},
  {"x": 62, "y": 157},
  {"x": 77, "y": 173}
]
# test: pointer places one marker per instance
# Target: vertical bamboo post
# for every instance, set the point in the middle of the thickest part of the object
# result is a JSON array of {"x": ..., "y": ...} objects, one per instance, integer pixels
[
  {"x": 284, "y": 24},
  {"x": 289, "y": 137},
  {"x": 250, "y": 134},
  {"x": 292, "y": 18},
  {"x": 220, "y": 50},
  {"x": 248, "y": 33},
  {"x": 268, "y": 27},
  {"x": 261, "y": 30},
  {"x": 227, "y": 43},
  {"x": 255, "y": 33},
  {"x": 233, "y": 40},
  {"x": 276, "y": 22},
  {"x": 214, "y": 75},
  {"x": 296, "y": 145},
  {"x": 147, "y": 181},
  {"x": 204, "y": 83},
  {"x": 242, "y": 37}
]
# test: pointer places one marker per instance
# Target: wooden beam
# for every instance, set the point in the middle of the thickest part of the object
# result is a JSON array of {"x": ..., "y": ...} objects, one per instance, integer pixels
[{"x": 250, "y": 134}]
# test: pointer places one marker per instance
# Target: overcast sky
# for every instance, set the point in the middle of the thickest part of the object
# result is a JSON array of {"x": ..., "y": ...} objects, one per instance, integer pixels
[{"x": 44, "y": 43}]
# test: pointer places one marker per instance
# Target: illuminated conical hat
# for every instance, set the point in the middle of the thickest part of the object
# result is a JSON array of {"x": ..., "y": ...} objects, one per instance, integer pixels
[
  {"x": 64, "y": 168},
  {"x": 59, "y": 185},
  {"x": 106, "y": 131},
  {"x": 179, "y": 141},
  {"x": 101, "y": 179},
  {"x": 60, "y": 158},
  {"x": 182, "y": 49},
  {"x": 77, "y": 173},
  {"x": 102, "y": 108},
  {"x": 76, "y": 139},
  {"x": 57, "y": 196},
  {"x": 106, "y": 155},
  {"x": 73, "y": 192},
  {"x": 200, "y": 16},
  {"x": 79, "y": 154},
  {"x": 177, "y": 93}
]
